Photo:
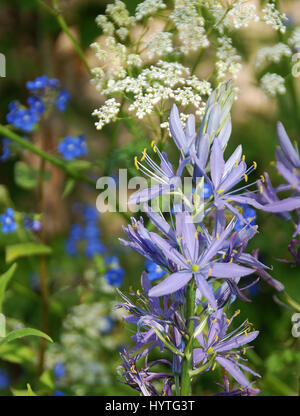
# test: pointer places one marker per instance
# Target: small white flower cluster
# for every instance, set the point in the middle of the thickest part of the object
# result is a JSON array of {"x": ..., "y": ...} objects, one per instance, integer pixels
[
  {"x": 86, "y": 333},
  {"x": 106, "y": 26},
  {"x": 274, "y": 17},
  {"x": 160, "y": 44},
  {"x": 134, "y": 60},
  {"x": 294, "y": 40},
  {"x": 241, "y": 14},
  {"x": 228, "y": 62},
  {"x": 148, "y": 7},
  {"x": 107, "y": 113},
  {"x": 273, "y": 84},
  {"x": 190, "y": 26},
  {"x": 119, "y": 14},
  {"x": 272, "y": 54}
]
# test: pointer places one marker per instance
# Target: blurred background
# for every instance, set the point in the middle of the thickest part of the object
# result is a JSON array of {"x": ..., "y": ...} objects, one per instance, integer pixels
[{"x": 80, "y": 297}]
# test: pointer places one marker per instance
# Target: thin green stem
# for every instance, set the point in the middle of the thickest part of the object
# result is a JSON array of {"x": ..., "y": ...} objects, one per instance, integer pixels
[
  {"x": 6, "y": 132},
  {"x": 55, "y": 11},
  {"x": 188, "y": 356},
  {"x": 43, "y": 264}
]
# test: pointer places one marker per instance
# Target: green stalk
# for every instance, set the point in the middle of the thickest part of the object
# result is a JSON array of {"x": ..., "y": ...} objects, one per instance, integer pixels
[
  {"x": 62, "y": 23},
  {"x": 6, "y": 132},
  {"x": 188, "y": 356}
]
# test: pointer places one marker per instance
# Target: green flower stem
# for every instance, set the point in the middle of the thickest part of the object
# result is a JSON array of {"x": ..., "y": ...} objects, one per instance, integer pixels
[
  {"x": 62, "y": 23},
  {"x": 5, "y": 131},
  {"x": 200, "y": 370},
  {"x": 292, "y": 302},
  {"x": 188, "y": 356},
  {"x": 167, "y": 343}
]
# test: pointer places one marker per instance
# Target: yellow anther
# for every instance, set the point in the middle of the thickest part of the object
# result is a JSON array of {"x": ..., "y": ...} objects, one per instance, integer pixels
[
  {"x": 196, "y": 234},
  {"x": 152, "y": 143},
  {"x": 228, "y": 321},
  {"x": 133, "y": 370},
  {"x": 231, "y": 260},
  {"x": 138, "y": 292},
  {"x": 136, "y": 162},
  {"x": 164, "y": 393},
  {"x": 154, "y": 148},
  {"x": 246, "y": 177},
  {"x": 209, "y": 272},
  {"x": 262, "y": 178},
  {"x": 217, "y": 236},
  {"x": 294, "y": 186},
  {"x": 220, "y": 191},
  {"x": 244, "y": 351},
  {"x": 188, "y": 261},
  {"x": 243, "y": 158},
  {"x": 236, "y": 163},
  {"x": 144, "y": 154},
  {"x": 261, "y": 189},
  {"x": 241, "y": 388},
  {"x": 214, "y": 366},
  {"x": 223, "y": 256},
  {"x": 234, "y": 251},
  {"x": 246, "y": 334},
  {"x": 210, "y": 350},
  {"x": 179, "y": 239},
  {"x": 254, "y": 164},
  {"x": 228, "y": 355},
  {"x": 216, "y": 339},
  {"x": 236, "y": 313},
  {"x": 134, "y": 226},
  {"x": 295, "y": 171},
  {"x": 214, "y": 321}
]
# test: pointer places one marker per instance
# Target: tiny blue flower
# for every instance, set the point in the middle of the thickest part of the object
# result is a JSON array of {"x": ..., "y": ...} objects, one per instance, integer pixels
[
  {"x": 8, "y": 221},
  {"x": 72, "y": 147},
  {"x": 31, "y": 224},
  {"x": 114, "y": 277},
  {"x": 59, "y": 393},
  {"x": 4, "y": 379},
  {"x": 38, "y": 84},
  {"x": 5, "y": 149},
  {"x": 75, "y": 235},
  {"x": 90, "y": 213},
  {"x": 153, "y": 270},
  {"x": 22, "y": 118},
  {"x": 94, "y": 246},
  {"x": 36, "y": 104},
  {"x": 250, "y": 216},
  {"x": 62, "y": 99},
  {"x": 59, "y": 370},
  {"x": 107, "y": 324}
]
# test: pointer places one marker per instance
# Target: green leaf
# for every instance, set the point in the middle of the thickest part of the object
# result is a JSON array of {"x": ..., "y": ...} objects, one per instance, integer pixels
[
  {"x": 27, "y": 177},
  {"x": 17, "y": 353},
  {"x": 2, "y": 325},
  {"x": 15, "y": 251},
  {"x": 100, "y": 263},
  {"x": 27, "y": 392},
  {"x": 4, "y": 279},
  {"x": 47, "y": 379},
  {"x": 69, "y": 187},
  {"x": 24, "y": 332}
]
